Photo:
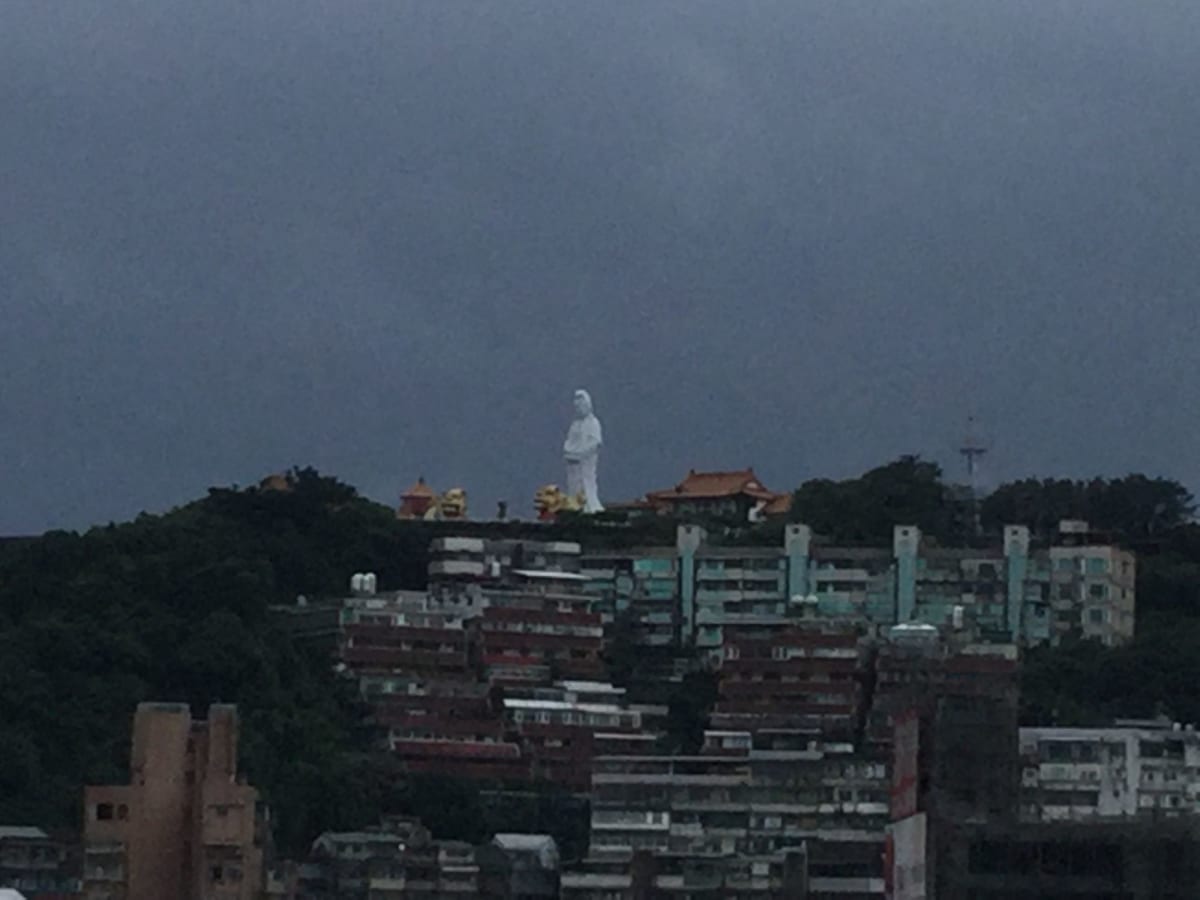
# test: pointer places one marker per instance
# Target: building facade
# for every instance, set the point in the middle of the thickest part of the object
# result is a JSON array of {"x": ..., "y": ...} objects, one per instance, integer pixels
[
  {"x": 1013, "y": 592},
  {"x": 36, "y": 864},
  {"x": 739, "y": 799},
  {"x": 185, "y": 826},
  {"x": 1145, "y": 769},
  {"x": 804, "y": 678}
]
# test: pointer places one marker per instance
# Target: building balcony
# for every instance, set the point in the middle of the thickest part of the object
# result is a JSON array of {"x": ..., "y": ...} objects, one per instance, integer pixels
[{"x": 455, "y": 568}]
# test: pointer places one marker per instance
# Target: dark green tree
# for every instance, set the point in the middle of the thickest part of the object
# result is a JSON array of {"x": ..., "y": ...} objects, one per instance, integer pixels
[
  {"x": 908, "y": 491},
  {"x": 1134, "y": 507}
]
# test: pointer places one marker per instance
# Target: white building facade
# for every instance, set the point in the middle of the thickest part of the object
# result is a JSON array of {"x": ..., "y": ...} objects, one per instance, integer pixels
[{"x": 1132, "y": 769}]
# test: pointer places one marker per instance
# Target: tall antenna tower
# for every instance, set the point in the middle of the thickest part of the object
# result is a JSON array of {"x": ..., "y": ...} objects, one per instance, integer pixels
[{"x": 973, "y": 451}]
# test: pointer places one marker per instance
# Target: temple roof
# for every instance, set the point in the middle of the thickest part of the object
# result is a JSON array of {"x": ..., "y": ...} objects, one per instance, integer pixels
[
  {"x": 780, "y": 506},
  {"x": 420, "y": 489},
  {"x": 713, "y": 485}
]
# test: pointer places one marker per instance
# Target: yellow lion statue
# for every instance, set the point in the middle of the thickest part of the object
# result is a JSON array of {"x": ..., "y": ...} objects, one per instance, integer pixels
[
  {"x": 450, "y": 505},
  {"x": 550, "y": 500}
]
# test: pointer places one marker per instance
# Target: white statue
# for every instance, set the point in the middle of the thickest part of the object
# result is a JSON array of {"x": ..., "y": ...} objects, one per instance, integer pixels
[{"x": 581, "y": 450}]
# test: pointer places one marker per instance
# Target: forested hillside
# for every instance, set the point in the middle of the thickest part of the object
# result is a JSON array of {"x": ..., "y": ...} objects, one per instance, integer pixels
[{"x": 174, "y": 607}]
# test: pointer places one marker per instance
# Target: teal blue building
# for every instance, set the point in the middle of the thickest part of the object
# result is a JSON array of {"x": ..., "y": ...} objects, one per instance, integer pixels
[{"x": 688, "y": 594}]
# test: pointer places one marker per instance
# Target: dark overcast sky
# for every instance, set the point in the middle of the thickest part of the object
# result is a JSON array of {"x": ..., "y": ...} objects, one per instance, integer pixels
[{"x": 389, "y": 239}]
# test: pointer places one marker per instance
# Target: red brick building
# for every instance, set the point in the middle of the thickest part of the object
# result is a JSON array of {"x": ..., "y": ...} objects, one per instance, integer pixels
[
  {"x": 539, "y": 643},
  {"x": 449, "y": 727},
  {"x": 561, "y": 729},
  {"x": 796, "y": 677},
  {"x": 397, "y": 640}
]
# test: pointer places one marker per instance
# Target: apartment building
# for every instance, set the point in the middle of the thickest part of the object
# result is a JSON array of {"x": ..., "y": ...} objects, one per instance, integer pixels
[
  {"x": 779, "y": 876},
  {"x": 807, "y": 677},
  {"x": 1134, "y": 769},
  {"x": 399, "y": 860},
  {"x": 460, "y": 566},
  {"x": 453, "y": 727},
  {"x": 399, "y": 634},
  {"x": 538, "y": 642},
  {"x": 186, "y": 826},
  {"x": 36, "y": 864},
  {"x": 1013, "y": 592},
  {"x": 498, "y": 614},
  {"x": 561, "y": 729},
  {"x": 643, "y": 582},
  {"x": 917, "y": 666},
  {"x": 739, "y": 798}
]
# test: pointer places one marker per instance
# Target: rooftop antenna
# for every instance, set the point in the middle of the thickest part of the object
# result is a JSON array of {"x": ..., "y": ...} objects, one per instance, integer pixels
[{"x": 973, "y": 451}]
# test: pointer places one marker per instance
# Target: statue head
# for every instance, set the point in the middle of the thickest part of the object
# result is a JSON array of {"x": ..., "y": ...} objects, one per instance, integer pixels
[{"x": 583, "y": 404}]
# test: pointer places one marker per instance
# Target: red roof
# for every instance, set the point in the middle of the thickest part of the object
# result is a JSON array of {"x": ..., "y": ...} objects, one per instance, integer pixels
[
  {"x": 712, "y": 485},
  {"x": 420, "y": 489},
  {"x": 780, "y": 506}
]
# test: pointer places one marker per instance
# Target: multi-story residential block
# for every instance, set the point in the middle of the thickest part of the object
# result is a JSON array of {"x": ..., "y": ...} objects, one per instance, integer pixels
[
  {"x": 779, "y": 876},
  {"x": 541, "y": 629},
  {"x": 400, "y": 861},
  {"x": 33, "y": 862},
  {"x": 459, "y": 567},
  {"x": 347, "y": 863},
  {"x": 644, "y": 583},
  {"x": 186, "y": 826},
  {"x": 916, "y": 667},
  {"x": 398, "y": 634},
  {"x": 807, "y": 677},
  {"x": 738, "y": 799},
  {"x": 1148, "y": 769},
  {"x": 561, "y": 729},
  {"x": 1014, "y": 592},
  {"x": 1092, "y": 586},
  {"x": 1080, "y": 835},
  {"x": 447, "y": 727}
]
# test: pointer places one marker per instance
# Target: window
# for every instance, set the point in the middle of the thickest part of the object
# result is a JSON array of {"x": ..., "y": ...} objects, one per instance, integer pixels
[
  {"x": 1096, "y": 616},
  {"x": 215, "y": 874},
  {"x": 104, "y": 812},
  {"x": 1066, "y": 592},
  {"x": 1098, "y": 591}
]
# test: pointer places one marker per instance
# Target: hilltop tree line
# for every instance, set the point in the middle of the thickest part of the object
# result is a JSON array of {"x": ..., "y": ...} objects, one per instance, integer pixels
[
  {"x": 175, "y": 607},
  {"x": 913, "y": 491}
]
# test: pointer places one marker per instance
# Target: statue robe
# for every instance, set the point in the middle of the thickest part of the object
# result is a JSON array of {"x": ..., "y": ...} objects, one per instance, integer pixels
[{"x": 581, "y": 451}]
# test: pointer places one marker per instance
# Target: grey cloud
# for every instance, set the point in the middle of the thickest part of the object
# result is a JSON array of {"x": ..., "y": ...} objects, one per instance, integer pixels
[{"x": 389, "y": 239}]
